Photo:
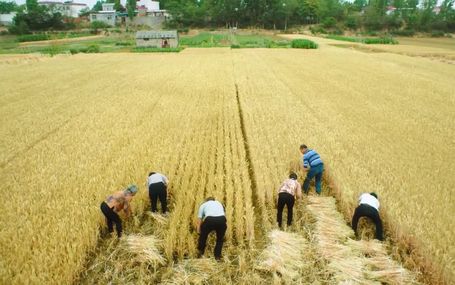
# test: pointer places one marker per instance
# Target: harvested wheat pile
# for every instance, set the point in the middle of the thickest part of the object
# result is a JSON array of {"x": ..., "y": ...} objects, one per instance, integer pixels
[
  {"x": 145, "y": 249},
  {"x": 284, "y": 255},
  {"x": 191, "y": 271},
  {"x": 160, "y": 219},
  {"x": 351, "y": 261}
]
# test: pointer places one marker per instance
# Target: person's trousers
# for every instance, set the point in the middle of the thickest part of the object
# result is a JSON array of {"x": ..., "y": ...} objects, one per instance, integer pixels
[
  {"x": 316, "y": 172},
  {"x": 217, "y": 224},
  {"x": 111, "y": 218},
  {"x": 158, "y": 191},
  {"x": 285, "y": 199},
  {"x": 364, "y": 210}
]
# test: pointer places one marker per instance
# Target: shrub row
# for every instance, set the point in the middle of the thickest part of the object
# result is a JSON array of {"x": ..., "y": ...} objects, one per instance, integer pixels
[
  {"x": 303, "y": 43},
  {"x": 89, "y": 49}
]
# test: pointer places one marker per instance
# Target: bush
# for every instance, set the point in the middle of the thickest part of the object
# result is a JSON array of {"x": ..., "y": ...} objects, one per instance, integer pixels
[
  {"x": 437, "y": 34},
  {"x": 317, "y": 30},
  {"x": 385, "y": 40},
  {"x": 33, "y": 38},
  {"x": 329, "y": 22},
  {"x": 123, "y": 43},
  {"x": 235, "y": 46},
  {"x": 351, "y": 23},
  {"x": 96, "y": 25},
  {"x": 89, "y": 49},
  {"x": 303, "y": 43},
  {"x": 404, "y": 33}
]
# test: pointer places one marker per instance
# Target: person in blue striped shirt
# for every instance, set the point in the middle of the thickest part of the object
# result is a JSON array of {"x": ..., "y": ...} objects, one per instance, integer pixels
[{"x": 313, "y": 162}]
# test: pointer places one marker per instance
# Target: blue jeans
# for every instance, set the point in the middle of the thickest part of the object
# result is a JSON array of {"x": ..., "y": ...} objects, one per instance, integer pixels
[{"x": 316, "y": 172}]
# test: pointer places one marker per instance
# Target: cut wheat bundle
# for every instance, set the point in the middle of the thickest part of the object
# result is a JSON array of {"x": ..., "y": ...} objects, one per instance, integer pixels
[
  {"x": 145, "y": 249},
  {"x": 284, "y": 254}
]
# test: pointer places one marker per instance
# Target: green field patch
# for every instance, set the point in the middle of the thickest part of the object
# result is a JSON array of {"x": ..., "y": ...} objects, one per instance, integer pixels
[{"x": 382, "y": 40}]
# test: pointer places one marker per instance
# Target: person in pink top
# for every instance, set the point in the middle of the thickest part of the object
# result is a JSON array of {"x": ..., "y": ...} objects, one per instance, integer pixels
[{"x": 287, "y": 194}]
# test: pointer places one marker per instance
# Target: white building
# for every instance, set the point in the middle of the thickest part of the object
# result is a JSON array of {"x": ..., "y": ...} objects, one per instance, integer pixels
[
  {"x": 107, "y": 15},
  {"x": 7, "y": 19},
  {"x": 149, "y": 5},
  {"x": 68, "y": 8}
]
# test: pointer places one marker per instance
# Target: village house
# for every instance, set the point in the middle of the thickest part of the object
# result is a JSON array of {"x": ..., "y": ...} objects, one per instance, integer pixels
[
  {"x": 157, "y": 39},
  {"x": 67, "y": 8},
  {"x": 106, "y": 15}
]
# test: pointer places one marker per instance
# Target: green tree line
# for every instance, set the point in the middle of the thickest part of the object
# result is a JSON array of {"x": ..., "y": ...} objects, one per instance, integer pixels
[{"x": 371, "y": 15}]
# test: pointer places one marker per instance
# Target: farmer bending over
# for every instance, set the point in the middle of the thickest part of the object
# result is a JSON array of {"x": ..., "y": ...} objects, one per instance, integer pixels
[
  {"x": 368, "y": 207},
  {"x": 211, "y": 217},
  {"x": 313, "y": 161},
  {"x": 287, "y": 193},
  {"x": 116, "y": 202},
  {"x": 157, "y": 184}
]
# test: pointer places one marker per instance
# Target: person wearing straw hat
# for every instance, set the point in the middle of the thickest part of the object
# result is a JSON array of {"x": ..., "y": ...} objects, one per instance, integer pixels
[
  {"x": 313, "y": 165},
  {"x": 211, "y": 217},
  {"x": 115, "y": 203},
  {"x": 368, "y": 207},
  {"x": 287, "y": 194},
  {"x": 157, "y": 184}
]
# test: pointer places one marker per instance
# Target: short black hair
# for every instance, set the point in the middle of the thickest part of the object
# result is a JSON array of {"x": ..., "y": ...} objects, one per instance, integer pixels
[
  {"x": 151, "y": 173},
  {"x": 293, "y": 176},
  {"x": 302, "y": 146},
  {"x": 209, "y": 199},
  {"x": 374, "y": 195}
]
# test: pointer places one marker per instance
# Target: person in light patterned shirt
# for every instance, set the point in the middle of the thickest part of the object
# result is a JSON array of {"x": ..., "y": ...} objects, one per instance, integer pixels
[{"x": 287, "y": 194}]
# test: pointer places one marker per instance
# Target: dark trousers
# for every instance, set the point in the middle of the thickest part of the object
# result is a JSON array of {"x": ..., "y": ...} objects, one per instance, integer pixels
[
  {"x": 316, "y": 172},
  {"x": 364, "y": 210},
  {"x": 285, "y": 199},
  {"x": 158, "y": 191},
  {"x": 111, "y": 218},
  {"x": 210, "y": 224}
]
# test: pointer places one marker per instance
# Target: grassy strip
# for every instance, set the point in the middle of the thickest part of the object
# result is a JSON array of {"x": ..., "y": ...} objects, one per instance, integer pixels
[
  {"x": 304, "y": 43},
  {"x": 147, "y": 49},
  {"x": 45, "y": 37},
  {"x": 384, "y": 40},
  {"x": 233, "y": 41}
]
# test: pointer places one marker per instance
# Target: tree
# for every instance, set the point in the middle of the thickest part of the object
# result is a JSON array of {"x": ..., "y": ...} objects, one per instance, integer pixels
[
  {"x": 98, "y": 6},
  {"x": 84, "y": 12},
  {"x": 131, "y": 8},
  {"x": 32, "y": 5},
  {"x": 7, "y": 7}
]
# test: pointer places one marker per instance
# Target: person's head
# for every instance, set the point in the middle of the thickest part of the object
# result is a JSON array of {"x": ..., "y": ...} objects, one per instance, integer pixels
[
  {"x": 209, "y": 199},
  {"x": 151, "y": 173},
  {"x": 374, "y": 195},
  {"x": 293, "y": 176},
  {"x": 131, "y": 190},
  {"x": 303, "y": 148}
]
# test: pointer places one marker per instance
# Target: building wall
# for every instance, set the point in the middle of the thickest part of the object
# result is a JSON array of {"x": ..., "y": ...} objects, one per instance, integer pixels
[
  {"x": 108, "y": 18},
  {"x": 74, "y": 10},
  {"x": 151, "y": 21},
  {"x": 173, "y": 43},
  {"x": 7, "y": 19}
]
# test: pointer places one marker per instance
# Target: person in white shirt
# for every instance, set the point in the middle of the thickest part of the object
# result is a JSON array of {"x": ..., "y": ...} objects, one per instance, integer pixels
[
  {"x": 157, "y": 184},
  {"x": 287, "y": 193},
  {"x": 368, "y": 207},
  {"x": 211, "y": 217}
]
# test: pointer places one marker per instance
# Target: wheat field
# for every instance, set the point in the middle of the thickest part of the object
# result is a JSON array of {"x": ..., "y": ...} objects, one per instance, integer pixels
[{"x": 225, "y": 123}]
